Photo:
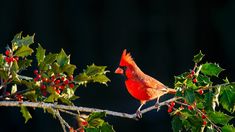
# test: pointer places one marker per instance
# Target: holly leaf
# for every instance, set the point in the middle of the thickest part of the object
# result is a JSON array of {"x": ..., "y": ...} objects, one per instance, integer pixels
[
  {"x": 23, "y": 51},
  {"x": 65, "y": 101},
  {"x": 176, "y": 124},
  {"x": 227, "y": 98},
  {"x": 93, "y": 73},
  {"x": 189, "y": 95},
  {"x": 68, "y": 68},
  {"x": 106, "y": 127},
  {"x": 52, "y": 98},
  {"x": 62, "y": 58},
  {"x": 211, "y": 69},
  {"x": 96, "y": 115},
  {"x": 25, "y": 113},
  {"x": 1, "y": 60},
  {"x": 198, "y": 57},
  {"x": 3, "y": 74},
  {"x": 40, "y": 55},
  {"x": 101, "y": 79},
  {"x": 228, "y": 128},
  {"x": 208, "y": 100},
  {"x": 19, "y": 40},
  {"x": 23, "y": 64},
  {"x": 203, "y": 80},
  {"x": 219, "y": 117}
]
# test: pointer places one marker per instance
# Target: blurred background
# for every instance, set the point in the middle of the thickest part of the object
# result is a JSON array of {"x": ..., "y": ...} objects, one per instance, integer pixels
[{"x": 162, "y": 35}]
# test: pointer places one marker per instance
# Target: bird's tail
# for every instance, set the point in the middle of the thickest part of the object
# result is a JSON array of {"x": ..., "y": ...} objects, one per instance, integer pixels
[{"x": 171, "y": 91}]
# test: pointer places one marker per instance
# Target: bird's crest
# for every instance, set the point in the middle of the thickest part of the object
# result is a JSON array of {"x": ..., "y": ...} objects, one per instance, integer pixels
[{"x": 126, "y": 58}]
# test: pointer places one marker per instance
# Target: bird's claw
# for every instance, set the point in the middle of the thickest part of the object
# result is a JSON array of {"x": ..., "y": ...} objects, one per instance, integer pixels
[
  {"x": 157, "y": 106},
  {"x": 138, "y": 114}
]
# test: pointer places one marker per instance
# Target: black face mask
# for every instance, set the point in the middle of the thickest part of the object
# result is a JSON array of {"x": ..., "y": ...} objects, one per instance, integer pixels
[{"x": 124, "y": 71}]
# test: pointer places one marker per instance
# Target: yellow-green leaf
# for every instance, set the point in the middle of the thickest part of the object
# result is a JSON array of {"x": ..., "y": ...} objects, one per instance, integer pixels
[
  {"x": 25, "y": 113},
  {"x": 23, "y": 51}
]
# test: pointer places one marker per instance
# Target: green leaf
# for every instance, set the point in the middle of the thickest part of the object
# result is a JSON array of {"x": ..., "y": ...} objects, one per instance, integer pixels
[
  {"x": 219, "y": 117},
  {"x": 19, "y": 40},
  {"x": 227, "y": 98},
  {"x": 176, "y": 124},
  {"x": 68, "y": 68},
  {"x": 189, "y": 95},
  {"x": 52, "y": 98},
  {"x": 92, "y": 130},
  {"x": 65, "y": 101},
  {"x": 25, "y": 113},
  {"x": 203, "y": 80},
  {"x": 50, "y": 58},
  {"x": 97, "y": 122},
  {"x": 208, "y": 100},
  {"x": 62, "y": 58},
  {"x": 40, "y": 55},
  {"x": 15, "y": 66},
  {"x": 106, "y": 127},
  {"x": 101, "y": 79},
  {"x": 3, "y": 74},
  {"x": 228, "y": 128},
  {"x": 23, "y": 64},
  {"x": 197, "y": 58},
  {"x": 93, "y": 70},
  {"x": 1, "y": 60},
  {"x": 23, "y": 51},
  {"x": 68, "y": 93},
  {"x": 56, "y": 67},
  {"x": 96, "y": 115},
  {"x": 211, "y": 69}
]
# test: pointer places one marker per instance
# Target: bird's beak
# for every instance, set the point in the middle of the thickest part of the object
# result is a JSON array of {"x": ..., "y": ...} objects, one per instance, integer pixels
[{"x": 119, "y": 71}]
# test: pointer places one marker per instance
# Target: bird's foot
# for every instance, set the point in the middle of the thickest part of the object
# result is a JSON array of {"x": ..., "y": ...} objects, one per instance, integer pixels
[
  {"x": 138, "y": 114},
  {"x": 157, "y": 106}
]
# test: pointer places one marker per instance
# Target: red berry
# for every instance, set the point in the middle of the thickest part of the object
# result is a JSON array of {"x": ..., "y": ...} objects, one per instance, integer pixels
[
  {"x": 7, "y": 93},
  {"x": 61, "y": 87},
  {"x": 169, "y": 109},
  {"x": 203, "y": 116},
  {"x": 195, "y": 80},
  {"x": 53, "y": 78},
  {"x": 193, "y": 72},
  {"x": 201, "y": 92},
  {"x": 35, "y": 72},
  {"x": 16, "y": 58},
  {"x": 62, "y": 78},
  {"x": 71, "y": 78},
  {"x": 172, "y": 104},
  {"x": 58, "y": 91},
  {"x": 8, "y": 60},
  {"x": 35, "y": 79},
  {"x": 45, "y": 79},
  {"x": 57, "y": 81},
  {"x": 66, "y": 82},
  {"x": 190, "y": 107},
  {"x": 43, "y": 87},
  {"x": 44, "y": 93},
  {"x": 71, "y": 85},
  {"x": 39, "y": 76},
  {"x": 84, "y": 123},
  {"x": 204, "y": 123},
  {"x": 7, "y": 52}
]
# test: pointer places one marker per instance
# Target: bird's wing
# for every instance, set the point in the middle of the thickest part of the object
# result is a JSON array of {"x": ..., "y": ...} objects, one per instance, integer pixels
[{"x": 153, "y": 83}]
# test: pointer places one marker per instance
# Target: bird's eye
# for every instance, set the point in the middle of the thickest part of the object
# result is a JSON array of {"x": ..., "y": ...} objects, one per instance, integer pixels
[{"x": 123, "y": 67}]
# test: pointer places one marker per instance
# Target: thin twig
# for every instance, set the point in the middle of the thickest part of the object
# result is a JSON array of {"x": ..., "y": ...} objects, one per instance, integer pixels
[
  {"x": 81, "y": 109},
  {"x": 68, "y": 112},
  {"x": 62, "y": 121},
  {"x": 214, "y": 125}
]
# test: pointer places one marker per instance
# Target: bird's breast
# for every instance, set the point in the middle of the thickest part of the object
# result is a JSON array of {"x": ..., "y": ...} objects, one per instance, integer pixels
[{"x": 137, "y": 90}]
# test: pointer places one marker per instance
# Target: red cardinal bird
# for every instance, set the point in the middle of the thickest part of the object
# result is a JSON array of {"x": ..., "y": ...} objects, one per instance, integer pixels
[{"x": 141, "y": 86}]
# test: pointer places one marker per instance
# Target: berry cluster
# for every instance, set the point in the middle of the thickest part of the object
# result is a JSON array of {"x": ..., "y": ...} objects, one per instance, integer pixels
[
  {"x": 193, "y": 76},
  {"x": 170, "y": 107},
  {"x": 57, "y": 82},
  {"x": 9, "y": 57}
]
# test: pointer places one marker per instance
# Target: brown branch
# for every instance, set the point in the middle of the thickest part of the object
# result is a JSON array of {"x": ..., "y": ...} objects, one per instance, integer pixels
[{"x": 80, "y": 109}]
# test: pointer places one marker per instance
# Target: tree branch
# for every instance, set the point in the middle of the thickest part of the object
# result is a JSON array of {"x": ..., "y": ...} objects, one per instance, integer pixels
[{"x": 80, "y": 109}]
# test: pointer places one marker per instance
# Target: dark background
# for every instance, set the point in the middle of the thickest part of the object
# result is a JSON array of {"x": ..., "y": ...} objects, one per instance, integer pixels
[{"x": 162, "y": 35}]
